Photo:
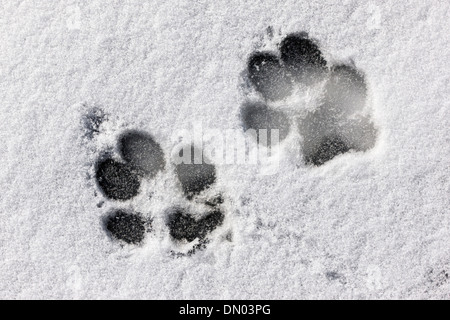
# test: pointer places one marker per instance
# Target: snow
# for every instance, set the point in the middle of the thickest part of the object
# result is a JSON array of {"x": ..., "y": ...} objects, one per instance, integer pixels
[{"x": 365, "y": 225}]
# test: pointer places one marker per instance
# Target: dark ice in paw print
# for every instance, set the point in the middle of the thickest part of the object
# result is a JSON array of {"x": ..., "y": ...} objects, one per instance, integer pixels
[
  {"x": 302, "y": 57},
  {"x": 259, "y": 116},
  {"x": 210, "y": 222},
  {"x": 125, "y": 226},
  {"x": 143, "y": 157},
  {"x": 142, "y": 153},
  {"x": 117, "y": 180},
  {"x": 195, "y": 178},
  {"x": 345, "y": 91},
  {"x": 184, "y": 227},
  {"x": 329, "y": 148},
  {"x": 268, "y": 76},
  {"x": 360, "y": 132}
]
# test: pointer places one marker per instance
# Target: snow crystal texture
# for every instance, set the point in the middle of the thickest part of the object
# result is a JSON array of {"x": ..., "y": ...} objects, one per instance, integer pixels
[{"x": 75, "y": 76}]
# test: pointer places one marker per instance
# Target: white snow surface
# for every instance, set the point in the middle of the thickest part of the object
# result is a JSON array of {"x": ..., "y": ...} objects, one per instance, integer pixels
[{"x": 366, "y": 225}]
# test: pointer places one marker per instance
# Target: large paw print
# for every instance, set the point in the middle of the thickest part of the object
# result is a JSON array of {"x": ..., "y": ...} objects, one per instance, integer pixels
[
  {"x": 140, "y": 157},
  {"x": 328, "y": 104}
]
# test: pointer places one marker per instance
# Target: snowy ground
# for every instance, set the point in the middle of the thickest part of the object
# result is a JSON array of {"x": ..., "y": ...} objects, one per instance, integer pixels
[{"x": 364, "y": 225}]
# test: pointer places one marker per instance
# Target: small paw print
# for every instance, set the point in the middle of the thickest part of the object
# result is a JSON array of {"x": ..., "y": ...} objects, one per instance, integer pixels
[
  {"x": 138, "y": 158},
  {"x": 296, "y": 88}
]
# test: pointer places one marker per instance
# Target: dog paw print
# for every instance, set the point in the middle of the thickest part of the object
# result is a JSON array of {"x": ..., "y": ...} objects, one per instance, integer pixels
[
  {"x": 138, "y": 158},
  {"x": 295, "y": 87}
]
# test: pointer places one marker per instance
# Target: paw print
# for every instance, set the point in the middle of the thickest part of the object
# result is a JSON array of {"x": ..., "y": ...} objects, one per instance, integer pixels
[
  {"x": 139, "y": 158},
  {"x": 328, "y": 104}
]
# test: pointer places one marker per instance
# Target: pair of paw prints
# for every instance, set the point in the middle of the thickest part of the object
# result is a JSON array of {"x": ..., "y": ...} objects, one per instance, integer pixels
[
  {"x": 140, "y": 157},
  {"x": 327, "y": 104},
  {"x": 294, "y": 88}
]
